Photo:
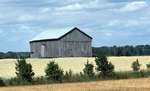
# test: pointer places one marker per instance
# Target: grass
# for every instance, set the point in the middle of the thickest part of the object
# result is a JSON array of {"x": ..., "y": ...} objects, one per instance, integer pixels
[
  {"x": 109, "y": 85},
  {"x": 7, "y": 66}
]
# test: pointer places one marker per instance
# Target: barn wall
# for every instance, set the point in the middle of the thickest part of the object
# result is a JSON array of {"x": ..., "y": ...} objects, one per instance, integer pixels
[
  {"x": 51, "y": 49},
  {"x": 75, "y": 44},
  {"x": 76, "y": 36}
]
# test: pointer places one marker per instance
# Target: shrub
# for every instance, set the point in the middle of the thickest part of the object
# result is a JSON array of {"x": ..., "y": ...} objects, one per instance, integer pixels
[
  {"x": 14, "y": 82},
  {"x": 68, "y": 75},
  {"x": 54, "y": 72},
  {"x": 41, "y": 80},
  {"x": 1, "y": 82},
  {"x": 148, "y": 66},
  {"x": 88, "y": 70},
  {"x": 24, "y": 71},
  {"x": 104, "y": 67},
  {"x": 136, "y": 65}
]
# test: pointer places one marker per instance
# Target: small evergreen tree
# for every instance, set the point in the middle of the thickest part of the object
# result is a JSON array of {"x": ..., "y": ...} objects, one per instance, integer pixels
[
  {"x": 148, "y": 66},
  {"x": 136, "y": 65},
  {"x": 2, "y": 82},
  {"x": 88, "y": 70},
  {"x": 104, "y": 67},
  {"x": 54, "y": 72},
  {"x": 24, "y": 71}
]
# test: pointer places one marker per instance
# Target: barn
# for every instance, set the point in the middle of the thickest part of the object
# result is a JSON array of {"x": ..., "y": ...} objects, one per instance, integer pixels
[{"x": 62, "y": 43}]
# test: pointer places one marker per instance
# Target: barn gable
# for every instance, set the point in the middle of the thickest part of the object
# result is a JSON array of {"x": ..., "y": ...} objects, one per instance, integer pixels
[
  {"x": 77, "y": 31},
  {"x": 75, "y": 35}
]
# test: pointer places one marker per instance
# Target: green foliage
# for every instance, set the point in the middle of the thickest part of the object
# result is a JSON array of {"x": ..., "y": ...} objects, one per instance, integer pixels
[
  {"x": 88, "y": 70},
  {"x": 2, "y": 82},
  {"x": 138, "y": 50},
  {"x": 148, "y": 66},
  {"x": 131, "y": 74},
  {"x": 24, "y": 71},
  {"x": 54, "y": 72},
  {"x": 136, "y": 65},
  {"x": 68, "y": 75},
  {"x": 14, "y": 82},
  {"x": 14, "y": 55},
  {"x": 104, "y": 67},
  {"x": 42, "y": 80}
]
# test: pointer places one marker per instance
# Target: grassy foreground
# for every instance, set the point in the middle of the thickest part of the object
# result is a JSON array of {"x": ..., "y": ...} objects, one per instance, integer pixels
[
  {"x": 7, "y": 66},
  {"x": 110, "y": 85}
]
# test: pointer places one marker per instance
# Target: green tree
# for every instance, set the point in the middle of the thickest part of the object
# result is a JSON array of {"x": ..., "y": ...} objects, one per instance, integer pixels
[
  {"x": 54, "y": 72},
  {"x": 136, "y": 65},
  {"x": 104, "y": 67},
  {"x": 88, "y": 70},
  {"x": 2, "y": 82},
  {"x": 148, "y": 66},
  {"x": 24, "y": 71}
]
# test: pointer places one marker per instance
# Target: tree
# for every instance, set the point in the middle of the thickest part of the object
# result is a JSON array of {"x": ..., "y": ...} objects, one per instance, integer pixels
[
  {"x": 148, "y": 66},
  {"x": 88, "y": 70},
  {"x": 136, "y": 65},
  {"x": 104, "y": 67},
  {"x": 54, "y": 72},
  {"x": 24, "y": 71},
  {"x": 2, "y": 82}
]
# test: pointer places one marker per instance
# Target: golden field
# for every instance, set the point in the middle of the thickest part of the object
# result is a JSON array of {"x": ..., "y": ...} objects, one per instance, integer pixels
[
  {"x": 7, "y": 66},
  {"x": 112, "y": 85}
]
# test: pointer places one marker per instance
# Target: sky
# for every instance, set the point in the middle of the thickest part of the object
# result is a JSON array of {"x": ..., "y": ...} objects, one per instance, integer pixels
[{"x": 109, "y": 22}]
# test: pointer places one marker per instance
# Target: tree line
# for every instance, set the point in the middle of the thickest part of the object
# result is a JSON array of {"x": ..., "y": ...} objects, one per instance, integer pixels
[
  {"x": 139, "y": 50},
  {"x": 14, "y": 55}
]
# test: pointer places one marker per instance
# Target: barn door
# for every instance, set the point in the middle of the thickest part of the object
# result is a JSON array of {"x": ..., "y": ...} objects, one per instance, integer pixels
[{"x": 43, "y": 51}]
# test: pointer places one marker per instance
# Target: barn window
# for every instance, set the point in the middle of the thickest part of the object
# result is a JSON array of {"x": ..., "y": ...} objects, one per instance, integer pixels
[{"x": 42, "y": 50}]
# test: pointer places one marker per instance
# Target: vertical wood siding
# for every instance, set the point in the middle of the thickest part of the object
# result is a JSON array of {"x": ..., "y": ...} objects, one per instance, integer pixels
[{"x": 75, "y": 44}]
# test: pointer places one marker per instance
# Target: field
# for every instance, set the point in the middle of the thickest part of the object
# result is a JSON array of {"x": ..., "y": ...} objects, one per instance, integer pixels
[
  {"x": 112, "y": 85},
  {"x": 7, "y": 66}
]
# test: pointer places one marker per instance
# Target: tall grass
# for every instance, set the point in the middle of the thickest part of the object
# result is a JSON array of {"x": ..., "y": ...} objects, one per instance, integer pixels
[{"x": 81, "y": 78}]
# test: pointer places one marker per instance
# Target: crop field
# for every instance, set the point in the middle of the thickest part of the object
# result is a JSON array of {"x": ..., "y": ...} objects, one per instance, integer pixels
[
  {"x": 112, "y": 85},
  {"x": 7, "y": 66}
]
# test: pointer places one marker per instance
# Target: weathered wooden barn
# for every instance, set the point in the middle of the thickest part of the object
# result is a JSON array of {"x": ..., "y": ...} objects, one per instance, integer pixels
[{"x": 73, "y": 43}]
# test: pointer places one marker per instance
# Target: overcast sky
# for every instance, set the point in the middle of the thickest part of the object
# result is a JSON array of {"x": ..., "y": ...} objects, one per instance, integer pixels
[{"x": 110, "y": 22}]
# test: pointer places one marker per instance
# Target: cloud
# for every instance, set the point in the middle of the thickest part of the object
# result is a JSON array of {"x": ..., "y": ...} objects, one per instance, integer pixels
[
  {"x": 110, "y": 21},
  {"x": 80, "y": 6},
  {"x": 120, "y": 1},
  {"x": 134, "y": 6}
]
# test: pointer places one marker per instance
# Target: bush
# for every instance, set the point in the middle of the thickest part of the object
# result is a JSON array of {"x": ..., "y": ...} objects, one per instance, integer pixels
[
  {"x": 136, "y": 65},
  {"x": 104, "y": 67},
  {"x": 24, "y": 71},
  {"x": 132, "y": 74},
  {"x": 88, "y": 70},
  {"x": 68, "y": 75},
  {"x": 148, "y": 66},
  {"x": 41, "y": 80},
  {"x": 53, "y": 72},
  {"x": 14, "y": 82},
  {"x": 1, "y": 82}
]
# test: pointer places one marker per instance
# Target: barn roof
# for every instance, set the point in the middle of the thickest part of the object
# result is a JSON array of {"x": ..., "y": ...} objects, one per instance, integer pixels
[{"x": 55, "y": 34}]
